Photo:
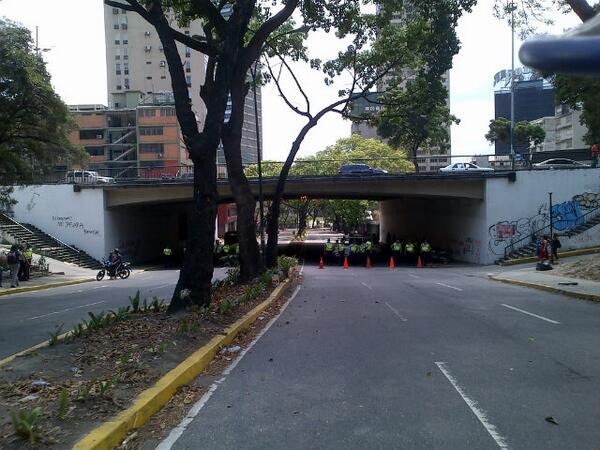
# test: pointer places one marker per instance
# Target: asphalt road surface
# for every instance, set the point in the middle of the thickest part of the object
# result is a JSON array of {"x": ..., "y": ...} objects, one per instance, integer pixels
[
  {"x": 411, "y": 359},
  {"x": 26, "y": 319}
]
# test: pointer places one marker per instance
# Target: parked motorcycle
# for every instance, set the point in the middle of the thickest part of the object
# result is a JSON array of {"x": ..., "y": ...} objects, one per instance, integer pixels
[{"x": 123, "y": 271}]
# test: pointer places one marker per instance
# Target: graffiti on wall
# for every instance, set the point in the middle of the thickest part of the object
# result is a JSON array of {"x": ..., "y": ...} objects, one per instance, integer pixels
[
  {"x": 73, "y": 224},
  {"x": 565, "y": 216}
]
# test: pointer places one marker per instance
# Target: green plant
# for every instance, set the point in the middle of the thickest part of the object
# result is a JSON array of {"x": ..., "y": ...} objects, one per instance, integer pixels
[
  {"x": 63, "y": 403},
  {"x": 83, "y": 391},
  {"x": 195, "y": 327},
  {"x": 135, "y": 302},
  {"x": 233, "y": 276},
  {"x": 104, "y": 386},
  {"x": 184, "y": 326},
  {"x": 55, "y": 335},
  {"x": 120, "y": 314},
  {"x": 25, "y": 423},
  {"x": 201, "y": 312},
  {"x": 285, "y": 263},
  {"x": 78, "y": 330},
  {"x": 252, "y": 291},
  {"x": 157, "y": 305},
  {"x": 266, "y": 277},
  {"x": 227, "y": 305}
]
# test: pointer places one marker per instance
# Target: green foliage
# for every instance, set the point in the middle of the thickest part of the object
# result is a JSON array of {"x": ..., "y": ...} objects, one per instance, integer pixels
[
  {"x": 55, "y": 335},
  {"x": 228, "y": 305},
  {"x": 25, "y": 424},
  {"x": 252, "y": 291},
  {"x": 233, "y": 276},
  {"x": 98, "y": 321},
  {"x": 120, "y": 314},
  {"x": 78, "y": 330},
  {"x": 184, "y": 326},
  {"x": 285, "y": 263},
  {"x": 135, "y": 302},
  {"x": 6, "y": 201},
  {"x": 63, "y": 403},
  {"x": 84, "y": 391},
  {"x": 104, "y": 386},
  {"x": 525, "y": 133},
  {"x": 34, "y": 122}
]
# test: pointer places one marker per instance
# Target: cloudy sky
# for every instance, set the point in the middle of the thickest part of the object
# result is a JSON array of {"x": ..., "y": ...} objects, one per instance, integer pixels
[{"x": 73, "y": 31}]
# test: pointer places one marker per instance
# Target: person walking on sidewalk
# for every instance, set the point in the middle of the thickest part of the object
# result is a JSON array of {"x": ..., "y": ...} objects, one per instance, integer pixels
[
  {"x": 595, "y": 154},
  {"x": 555, "y": 246},
  {"x": 12, "y": 259}
]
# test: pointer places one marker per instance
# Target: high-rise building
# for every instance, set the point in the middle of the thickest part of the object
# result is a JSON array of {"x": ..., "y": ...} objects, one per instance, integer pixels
[
  {"x": 564, "y": 130},
  {"x": 136, "y": 63},
  {"x": 533, "y": 99}
]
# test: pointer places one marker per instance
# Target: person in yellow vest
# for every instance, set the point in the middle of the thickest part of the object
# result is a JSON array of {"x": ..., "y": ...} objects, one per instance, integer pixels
[
  {"x": 28, "y": 253},
  {"x": 409, "y": 251},
  {"x": 168, "y": 256},
  {"x": 425, "y": 250},
  {"x": 354, "y": 253},
  {"x": 340, "y": 250},
  {"x": 397, "y": 251},
  {"x": 361, "y": 253},
  {"x": 328, "y": 251}
]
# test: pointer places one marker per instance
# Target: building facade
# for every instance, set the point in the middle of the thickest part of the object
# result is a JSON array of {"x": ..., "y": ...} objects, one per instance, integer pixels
[{"x": 564, "y": 130}]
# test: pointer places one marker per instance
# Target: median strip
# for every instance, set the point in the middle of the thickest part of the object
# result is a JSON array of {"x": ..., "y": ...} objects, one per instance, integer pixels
[{"x": 40, "y": 287}]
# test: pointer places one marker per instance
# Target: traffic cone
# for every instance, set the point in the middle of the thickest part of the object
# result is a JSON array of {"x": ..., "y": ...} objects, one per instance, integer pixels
[
  {"x": 392, "y": 265},
  {"x": 419, "y": 263},
  {"x": 321, "y": 264},
  {"x": 345, "y": 263},
  {"x": 368, "y": 262}
]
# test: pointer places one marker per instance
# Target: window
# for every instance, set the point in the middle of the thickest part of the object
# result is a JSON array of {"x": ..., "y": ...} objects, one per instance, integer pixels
[
  {"x": 116, "y": 26},
  {"x": 187, "y": 32},
  {"x": 188, "y": 52},
  {"x": 148, "y": 62},
  {"x": 123, "y": 11},
  {"x": 115, "y": 10},
  {"x": 147, "y": 112},
  {"x": 149, "y": 77},
  {"x": 148, "y": 48},
  {"x": 125, "y": 39},
  {"x": 167, "y": 112},
  {"x": 125, "y": 53},
  {"x": 118, "y": 87},
  {"x": 95, "y": 151},
  {"x": 126, "y": 68},
  {"x": 163, "y": 77},
  {"x": 152, "y": 148},
  {"x": 147, "y": 33},
  {"x": 188, "y": 80},
  {"x": 151, "y": 131},
  {"x": 188, "y": 66},
  {"x": 162, "y": 64},
  {"x": 160, "y": 49},
  {"x": 91, "y": 134},
  {"x": 118, "y": 68},
  {"x": 126, "y": 83}
]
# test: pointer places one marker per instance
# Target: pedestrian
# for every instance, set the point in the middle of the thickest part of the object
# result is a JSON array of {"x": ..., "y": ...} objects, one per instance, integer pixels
[
  {"x": 22, "y": 276},
  {"x": 328, "y": 252},
  {"x": 555, "y": 246},
  {"x": 409, "y": 251},
  {"x": 425, "y": 250},
  {"x": 167, "y": 255},
  {"x": 354, "y": 253},
  {"x": 28, "y": 254},
  {"x": 13, "y": 261},
  {"x": 543, "y": 248},
  {"x": 595, "y": 154}
]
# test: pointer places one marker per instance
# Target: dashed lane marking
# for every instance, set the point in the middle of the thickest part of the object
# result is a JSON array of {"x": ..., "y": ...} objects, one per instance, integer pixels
[
  {"x": 395, "y": 311},
  {"x": 366, "y": 285},
  {"x": 531, "y": 314},
  {"x": 66, "y": 310},
  {"x": 450, "y": 287}
]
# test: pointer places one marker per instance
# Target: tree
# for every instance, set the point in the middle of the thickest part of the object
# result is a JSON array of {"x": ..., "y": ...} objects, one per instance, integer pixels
[
  {"x": 34, "y": 121},
  {"x": 526, "y": 135}
]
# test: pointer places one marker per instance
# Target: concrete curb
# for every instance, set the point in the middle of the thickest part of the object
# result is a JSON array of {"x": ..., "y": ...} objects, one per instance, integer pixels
[
  {"x": 45, "y": 286},
  {"x": 32, "y": 349},
  {"x": 544, "y": 287},
  {"x": 150, "y": 401},
  {"x": 581, "y": 251}
]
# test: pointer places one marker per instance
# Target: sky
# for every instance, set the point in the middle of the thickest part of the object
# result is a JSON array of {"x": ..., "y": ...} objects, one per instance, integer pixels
[{"x": 73, "y": 33}]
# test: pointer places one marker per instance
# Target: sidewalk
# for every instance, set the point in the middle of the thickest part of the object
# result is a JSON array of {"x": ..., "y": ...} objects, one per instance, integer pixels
[
  {"x": 62, "y": 274},
  {"x": 529, "y": 277}
]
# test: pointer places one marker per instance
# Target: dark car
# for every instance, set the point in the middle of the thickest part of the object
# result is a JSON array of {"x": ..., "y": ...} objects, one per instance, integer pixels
[{"x": 360, "y": 169}]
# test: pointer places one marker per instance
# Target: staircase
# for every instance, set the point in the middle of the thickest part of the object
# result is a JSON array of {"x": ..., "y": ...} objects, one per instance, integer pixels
[
  {"x": 591, "y": 219},
  {"x": 45, "y": 244}
]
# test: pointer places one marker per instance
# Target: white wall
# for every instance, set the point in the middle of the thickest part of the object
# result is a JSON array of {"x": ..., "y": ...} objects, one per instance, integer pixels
[
  {"x": 516, "y": 209},
  {"x": 76, "y": 218}
]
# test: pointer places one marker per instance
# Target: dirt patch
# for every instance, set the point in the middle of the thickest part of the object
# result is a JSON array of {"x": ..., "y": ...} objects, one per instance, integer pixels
[
  {"x": 66, "y": 390},
  {"x": 586, "y": 269}
]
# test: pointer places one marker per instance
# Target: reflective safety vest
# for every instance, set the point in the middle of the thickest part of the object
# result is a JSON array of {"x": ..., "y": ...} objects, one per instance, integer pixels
[
  {"x": 361, "y": 248},
  {"x": 329, "y": 247},
  {"x": 236, "y": 248},
  {"x": 425, "y": 247},
  {"x": 167, "y": 251},
  {"x": 340, "y": 247},
  {"x": 368, "y": 245},
  {"x": 409, "y": 247},
  {"x": 226, "y": 248},
  {"x": 28, "y": 254},
  {"x": 354, "y": 248},
  {"x": 396, "y": 246}
]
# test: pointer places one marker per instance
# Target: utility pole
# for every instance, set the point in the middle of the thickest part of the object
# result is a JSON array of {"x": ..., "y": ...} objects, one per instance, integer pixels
[{"x": 512, "y": 85}]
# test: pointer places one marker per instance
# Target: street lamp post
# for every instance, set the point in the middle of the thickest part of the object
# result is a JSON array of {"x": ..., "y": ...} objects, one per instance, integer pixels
[
  {"x": 259, "y": 161},
  {"x": 512, "y": 85}
]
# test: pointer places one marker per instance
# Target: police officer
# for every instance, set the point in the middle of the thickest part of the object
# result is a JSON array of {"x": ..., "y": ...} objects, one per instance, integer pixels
[
  {"x": 354, "y": 252},
  {"x": 368, "y": 247},
  {"x": 329, "y": 251},
  {"x": 28, "y": 253},
  {"x": 425, "y": 250},
  {"x": 340, "y": 248},
  {"x": 409, "y": 251},
  {"x": 168, "y": 254},
  {"x": 397, "y": 250}
]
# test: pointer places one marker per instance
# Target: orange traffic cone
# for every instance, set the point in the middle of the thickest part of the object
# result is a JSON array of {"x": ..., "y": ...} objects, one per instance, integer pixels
[
  {"x": 419, "y": 263},
  {"x": 368, "y": 262},
  {"x": 345, "y": 263},
  {"x": 321, "y": 264},
  {"x": 392, "y": 265}
]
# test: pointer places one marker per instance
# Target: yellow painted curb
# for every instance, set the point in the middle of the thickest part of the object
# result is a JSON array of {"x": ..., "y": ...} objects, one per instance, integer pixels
[
  {"x": 581, "y": 251},
  {"x": 45, "y": 286},
  {"x": 150, "y": 401},
  {"x": 31, "y": 349},
  {"x": 544, "y": 287}
]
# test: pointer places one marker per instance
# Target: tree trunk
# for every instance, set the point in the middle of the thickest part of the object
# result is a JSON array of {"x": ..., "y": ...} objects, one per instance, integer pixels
[
  {"x": 582, "y": 8},
  {"x": 250, "y": 258}
]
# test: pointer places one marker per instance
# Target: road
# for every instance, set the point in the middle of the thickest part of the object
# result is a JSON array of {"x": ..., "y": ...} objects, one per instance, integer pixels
[
  {"x": 26, "y": 319},
  {"x": 411, "y": 359}
]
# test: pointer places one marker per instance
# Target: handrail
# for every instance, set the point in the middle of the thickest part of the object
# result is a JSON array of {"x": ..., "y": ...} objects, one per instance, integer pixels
[
  {"x": 16, "y": 223},
  {"x": 61, "y": 242},
  {"x": 529, "y": 236}
]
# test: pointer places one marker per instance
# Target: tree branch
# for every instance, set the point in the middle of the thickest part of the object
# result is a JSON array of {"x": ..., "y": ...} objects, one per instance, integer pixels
[
  {"x": 582, "y": 8},
  {"x": 298, "y": 85},
  {"x": 131, "y": 5},
  {"x": 285, "y": 99}
]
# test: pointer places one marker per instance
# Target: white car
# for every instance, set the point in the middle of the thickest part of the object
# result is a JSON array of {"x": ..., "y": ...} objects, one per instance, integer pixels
[
  {"x": 559, "y": 163},
  {"x": 86, "y": 176},
  {"x": 465, "y": 167}
]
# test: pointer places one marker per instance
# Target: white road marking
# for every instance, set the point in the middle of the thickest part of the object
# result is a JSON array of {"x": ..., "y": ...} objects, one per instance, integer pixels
[
  {"x": 531, "y": 314},
  {"x": 176, "y": 432},
  {"x": 162, "y": 286},
  {"x": 66, "y": 310},
  {"x": 413, "y": 275},
  {"x": 472, "y": 404},
  {"x": 395, "y": 311},
  {"x": 366, "y": 285},
  {"x": 451, "y": 287},
  {"x": 302, "y": 268}
]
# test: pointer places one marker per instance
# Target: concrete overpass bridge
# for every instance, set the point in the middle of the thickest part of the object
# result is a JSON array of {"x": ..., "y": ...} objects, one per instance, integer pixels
[{"x": 475, "y": 215}]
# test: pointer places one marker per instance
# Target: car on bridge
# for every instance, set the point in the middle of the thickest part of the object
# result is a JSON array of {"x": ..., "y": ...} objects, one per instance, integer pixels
[
  {"x": 360, "y": 169},
  {"x": 465, "y": 167},
  {"x": 559, "y": 163},
  {"x": 86, "y": 176}
]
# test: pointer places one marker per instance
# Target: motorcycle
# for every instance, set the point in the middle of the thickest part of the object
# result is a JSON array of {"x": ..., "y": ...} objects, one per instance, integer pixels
[{"x": 122, "y": 271}]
